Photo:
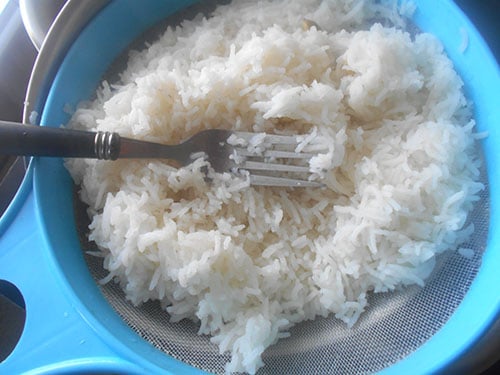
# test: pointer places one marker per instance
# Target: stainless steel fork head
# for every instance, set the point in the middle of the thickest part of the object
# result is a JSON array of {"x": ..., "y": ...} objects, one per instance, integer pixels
[{"x": 268, "y": 159}]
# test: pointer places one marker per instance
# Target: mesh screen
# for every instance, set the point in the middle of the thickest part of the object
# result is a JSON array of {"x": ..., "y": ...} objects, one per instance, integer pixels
[{"x": 393, "y": 326}]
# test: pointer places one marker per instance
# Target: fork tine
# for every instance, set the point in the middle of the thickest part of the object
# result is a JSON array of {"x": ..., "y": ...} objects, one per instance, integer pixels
[
  {"x": 275, "y": 154},
  {"x": 282, "y": 181},
  {"x": 260, "y": 154},
  {"x": 270, "y": 138},
  {"x": 265, "y": 166},
  {"x": 281, "y": 139}
]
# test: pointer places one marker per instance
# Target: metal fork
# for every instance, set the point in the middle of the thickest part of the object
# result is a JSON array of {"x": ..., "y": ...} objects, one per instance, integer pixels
[{"x": 272, "y": 162}]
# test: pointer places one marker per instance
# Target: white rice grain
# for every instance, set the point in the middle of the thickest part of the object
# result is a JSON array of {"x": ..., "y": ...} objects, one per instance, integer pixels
[{"x": 385, "y": 113}]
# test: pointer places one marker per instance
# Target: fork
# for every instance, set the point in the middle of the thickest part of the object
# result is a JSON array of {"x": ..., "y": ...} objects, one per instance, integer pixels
[{"x": 273, "y": 161}]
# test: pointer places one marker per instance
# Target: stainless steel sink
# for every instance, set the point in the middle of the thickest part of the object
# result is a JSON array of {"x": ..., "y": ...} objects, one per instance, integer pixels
[{"x": 17, "y": 55}]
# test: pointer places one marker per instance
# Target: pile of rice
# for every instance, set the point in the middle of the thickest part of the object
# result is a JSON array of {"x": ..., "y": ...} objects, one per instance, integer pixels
[{"x": 250, "y": 262}]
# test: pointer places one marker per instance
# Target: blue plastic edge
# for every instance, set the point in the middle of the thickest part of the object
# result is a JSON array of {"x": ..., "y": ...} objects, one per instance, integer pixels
[
  {"x": 430, "y": 357},
  {"x": 17, "y": 202},
  {"x": 481, "y": 302},
  {"x": 59, "y": 225},
  {"x": 481, "y": 306}
]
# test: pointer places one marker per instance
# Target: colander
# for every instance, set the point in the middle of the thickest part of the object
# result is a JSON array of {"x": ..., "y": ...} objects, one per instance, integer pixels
[{"x": 74, "y": 325}]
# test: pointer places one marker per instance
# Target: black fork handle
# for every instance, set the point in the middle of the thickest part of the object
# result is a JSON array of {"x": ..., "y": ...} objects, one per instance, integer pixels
[{"x": 30, "y": 140}]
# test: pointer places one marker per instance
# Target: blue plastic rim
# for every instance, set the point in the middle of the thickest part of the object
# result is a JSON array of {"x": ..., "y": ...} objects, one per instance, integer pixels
[{"x": 105, "y": 38}]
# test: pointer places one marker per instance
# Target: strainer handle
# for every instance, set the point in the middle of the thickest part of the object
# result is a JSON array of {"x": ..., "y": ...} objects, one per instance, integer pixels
[{"x": 60, "y": 334}]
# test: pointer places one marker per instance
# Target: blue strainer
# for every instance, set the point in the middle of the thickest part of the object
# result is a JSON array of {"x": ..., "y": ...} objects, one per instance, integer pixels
[{"x": 74, "y": 325}]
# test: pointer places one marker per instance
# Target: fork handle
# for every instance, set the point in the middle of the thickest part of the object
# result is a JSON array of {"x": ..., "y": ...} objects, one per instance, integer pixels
[{"x": 30, "y": 140}]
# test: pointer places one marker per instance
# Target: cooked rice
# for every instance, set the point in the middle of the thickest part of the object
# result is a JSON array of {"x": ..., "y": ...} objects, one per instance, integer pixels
[{"x": 250, "y": 262}]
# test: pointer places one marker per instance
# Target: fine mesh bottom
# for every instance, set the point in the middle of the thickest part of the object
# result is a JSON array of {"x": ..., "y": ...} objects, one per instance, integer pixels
[{"x": 393, "y": 326}]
